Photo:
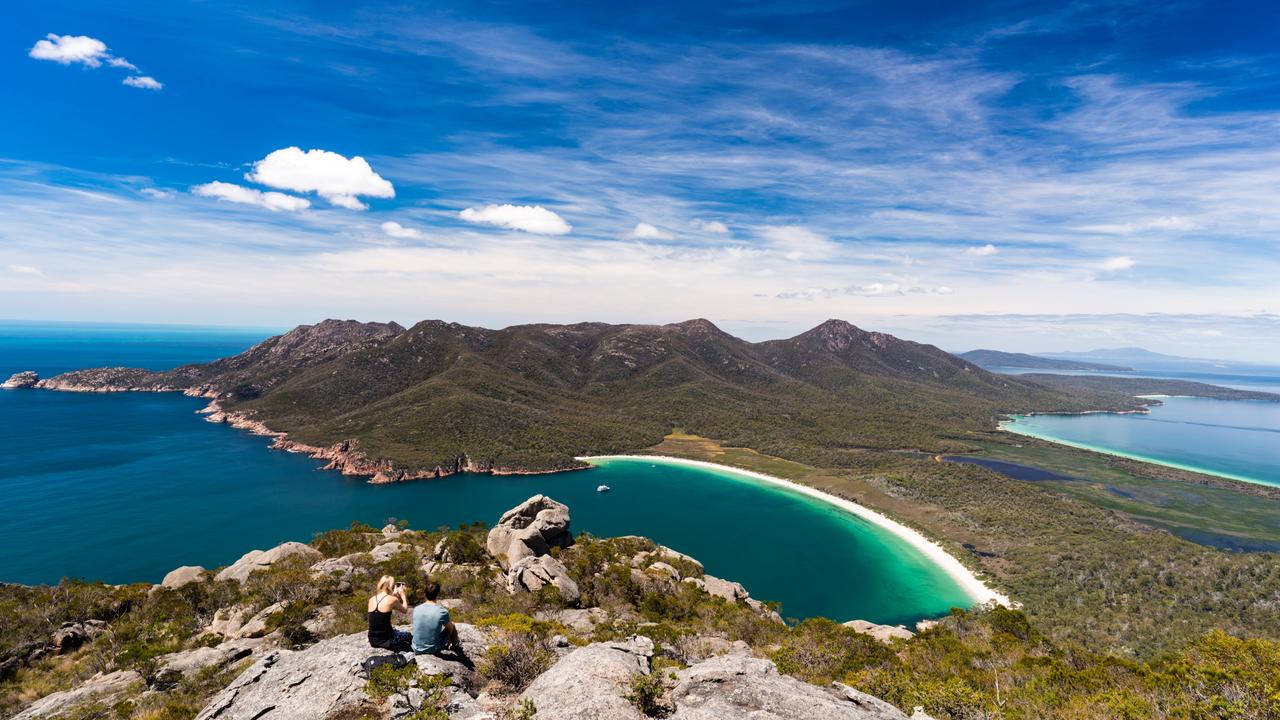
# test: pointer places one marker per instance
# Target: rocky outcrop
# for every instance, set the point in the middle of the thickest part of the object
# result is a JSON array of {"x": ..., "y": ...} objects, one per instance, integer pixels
[
  {"x": 100, "y": 688},
  {"x": 170, "y": 669},
  {"x": 530, "y": 529},
  {"x": 740, "y": 686},
  {"x": 386, "y": 551},
  {"x": 24, "y": 379},
  {"x": 521, "y": 541},
  {"x": 591, "y": 683},
  {"x": 183, "y": 575},
  {"x": 255, "y": 560},
  {"x": 531, "y": 574},
  {"x": 74, "y": 634},
  {"x": 326, "y": 677},
  {"x": 884, "y": 633},
  {"x": 733, "y": 592}
]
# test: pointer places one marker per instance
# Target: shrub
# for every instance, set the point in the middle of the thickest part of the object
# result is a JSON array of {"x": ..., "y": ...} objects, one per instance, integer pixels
[
  {"x": 336, "y": 543},
  {"x": 462, "y": 546},
  {"x": 820, "y": 651},
  {"x": 515, "y": 663},
  {"x": 645, "y": 692}
]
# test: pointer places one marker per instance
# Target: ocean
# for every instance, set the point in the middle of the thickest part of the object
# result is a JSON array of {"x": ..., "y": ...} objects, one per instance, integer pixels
[{"x": 124, "y": 487}]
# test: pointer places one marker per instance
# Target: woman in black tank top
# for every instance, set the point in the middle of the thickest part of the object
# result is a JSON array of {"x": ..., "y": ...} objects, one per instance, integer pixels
[{"x": 390, "y": 597}]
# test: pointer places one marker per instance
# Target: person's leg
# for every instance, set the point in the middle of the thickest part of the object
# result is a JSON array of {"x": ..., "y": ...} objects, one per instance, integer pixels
[{"x": 403, "y": 641}]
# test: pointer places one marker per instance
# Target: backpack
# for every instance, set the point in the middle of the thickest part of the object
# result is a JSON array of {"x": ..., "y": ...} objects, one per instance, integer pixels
[{"x": 395, "y": 660}]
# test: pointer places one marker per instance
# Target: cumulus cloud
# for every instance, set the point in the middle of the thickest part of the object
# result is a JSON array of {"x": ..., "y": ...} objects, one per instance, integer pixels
[
  {"x": 68, "y": 49},
  {"x": 398, "y": 231},
  {"x": 645, "y": 231},
  {"x": 1117, "y": 263},
  {"x": 799, "y": 243},
  {"x": 90, "y": 52},
  {"x": 711, "y": 226},
  {"x": 337, "y": 179},
  {"x": 146, "y": 82},
  {"x": 273, "y": 201},
  {"x": 24, "y": 269},
  {"x": 982, "y": 251},
  {"x": 529, "y": 218}
]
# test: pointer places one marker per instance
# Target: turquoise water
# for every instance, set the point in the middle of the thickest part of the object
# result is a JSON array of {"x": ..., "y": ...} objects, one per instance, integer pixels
[
  {"x": 124, "y": 487},
  {"x": 1238, "y": 439}
]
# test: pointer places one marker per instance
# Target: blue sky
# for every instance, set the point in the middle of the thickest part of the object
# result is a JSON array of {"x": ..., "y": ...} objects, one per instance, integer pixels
[{"x": 1026, "y": 176}]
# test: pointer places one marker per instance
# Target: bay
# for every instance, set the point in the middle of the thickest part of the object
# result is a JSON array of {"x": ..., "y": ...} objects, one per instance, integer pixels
[{"x": 124, "y": 487}]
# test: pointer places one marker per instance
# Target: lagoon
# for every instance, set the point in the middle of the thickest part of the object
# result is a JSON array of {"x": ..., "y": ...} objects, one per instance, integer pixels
[{"x": 1237, "y": 439}]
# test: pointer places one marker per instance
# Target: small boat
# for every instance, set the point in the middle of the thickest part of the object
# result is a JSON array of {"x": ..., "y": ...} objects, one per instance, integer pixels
[{"x": 603, "y": 488}]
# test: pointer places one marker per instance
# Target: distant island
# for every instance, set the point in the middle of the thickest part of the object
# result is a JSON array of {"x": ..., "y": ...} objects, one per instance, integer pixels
[{"x": 997, "y": 359}]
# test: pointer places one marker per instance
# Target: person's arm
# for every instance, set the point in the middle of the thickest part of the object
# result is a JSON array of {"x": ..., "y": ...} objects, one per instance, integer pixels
[{"x": 403, "y": 596}]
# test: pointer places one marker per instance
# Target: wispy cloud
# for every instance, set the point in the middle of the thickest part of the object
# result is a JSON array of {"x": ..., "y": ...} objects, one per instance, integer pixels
[{"x": 242, "y": 195}]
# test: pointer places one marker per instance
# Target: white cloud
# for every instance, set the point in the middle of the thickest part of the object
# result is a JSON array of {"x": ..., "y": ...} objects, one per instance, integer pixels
[
  {"x": 529, "y": 218},
  {"x": 1117, "y": 263},
  {"x": 711, "y": 226},
  {"x": 799, "y": 243},
  {"x": 273, "y": 201},
  {"x": 67, "y": 49},
  {"x": 396, "y": 230},
  {"x": 335, "y": 178},
  {"x": 645, "y": 231},
  {"x": 90, "y": 52},
  {"x": 24, "y": 269},
  {"x": 982, "y": 251},
  {"x": 156, "y": 193},
  {"x": 146, "y": 82}
]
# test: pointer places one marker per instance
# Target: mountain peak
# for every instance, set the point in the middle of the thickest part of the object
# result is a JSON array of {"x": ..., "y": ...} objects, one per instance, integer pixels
[{"x": 696, "y": 326}]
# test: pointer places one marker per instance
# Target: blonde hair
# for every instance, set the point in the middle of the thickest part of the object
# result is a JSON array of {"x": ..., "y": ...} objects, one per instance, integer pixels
[{"x": 387, "y": 584}]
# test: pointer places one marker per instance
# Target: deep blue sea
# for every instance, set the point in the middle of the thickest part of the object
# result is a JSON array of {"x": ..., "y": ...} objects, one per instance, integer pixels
[{"x": 124, "y": 487}]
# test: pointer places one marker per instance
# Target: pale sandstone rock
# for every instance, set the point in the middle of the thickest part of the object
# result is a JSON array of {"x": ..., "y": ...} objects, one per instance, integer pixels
[
  {"x": 884, "y": 633},
  {"x": 530, "y": 529},
  {"x": 183, "y": 575},
  {"x": 590, "y": 683},
  {"x": 255, "y": 560},
  {"x": 740, "y": 686}
]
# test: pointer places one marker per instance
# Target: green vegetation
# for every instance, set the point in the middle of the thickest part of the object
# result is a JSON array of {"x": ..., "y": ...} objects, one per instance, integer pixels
[
  {"x": 985, "y": 664},
  {"x": 1086, "y": 574},
  {"x": 534, "y": 397}
]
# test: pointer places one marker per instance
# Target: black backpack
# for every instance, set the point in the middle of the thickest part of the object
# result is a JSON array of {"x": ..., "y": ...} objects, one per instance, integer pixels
[{"x": 395, "y": 660}]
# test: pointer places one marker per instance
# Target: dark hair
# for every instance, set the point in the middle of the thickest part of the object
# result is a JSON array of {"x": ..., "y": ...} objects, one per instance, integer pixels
[{"x": 432, "y": 589}]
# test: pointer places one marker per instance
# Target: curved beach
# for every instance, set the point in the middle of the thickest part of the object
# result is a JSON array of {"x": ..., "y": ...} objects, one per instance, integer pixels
[{"x": 977, "y": 590}]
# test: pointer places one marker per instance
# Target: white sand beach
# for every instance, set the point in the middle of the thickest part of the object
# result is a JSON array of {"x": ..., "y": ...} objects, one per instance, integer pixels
[{"x": 976, "y": 588}]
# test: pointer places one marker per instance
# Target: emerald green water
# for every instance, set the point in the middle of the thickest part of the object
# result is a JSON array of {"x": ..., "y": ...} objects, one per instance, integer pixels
[{"x": 124, "y": 487}]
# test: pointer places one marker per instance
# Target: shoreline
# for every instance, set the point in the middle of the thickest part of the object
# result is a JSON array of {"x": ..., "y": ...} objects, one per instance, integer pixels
[
  {"x": 1006, "y": 426},
  {"x": 977, "y": 589}
]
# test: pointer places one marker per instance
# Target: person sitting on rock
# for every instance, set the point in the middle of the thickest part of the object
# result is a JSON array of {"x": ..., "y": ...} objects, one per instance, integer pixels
[
  {"x": 433, "y": 632},
  {"x": 391, "y": 596}
]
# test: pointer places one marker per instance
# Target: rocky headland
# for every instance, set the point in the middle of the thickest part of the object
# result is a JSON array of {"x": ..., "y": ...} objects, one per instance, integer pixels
[{"x": 546, "y": 632}]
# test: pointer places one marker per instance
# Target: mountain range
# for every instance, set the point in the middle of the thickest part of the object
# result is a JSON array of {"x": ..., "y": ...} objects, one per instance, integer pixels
[
  {"x": 998, "y": 359},
  {"x": 441, "y": 396}
]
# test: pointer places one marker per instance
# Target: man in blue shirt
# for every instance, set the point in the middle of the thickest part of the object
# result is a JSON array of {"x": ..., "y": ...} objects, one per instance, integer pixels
[{"x": 433, "y": 632}]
